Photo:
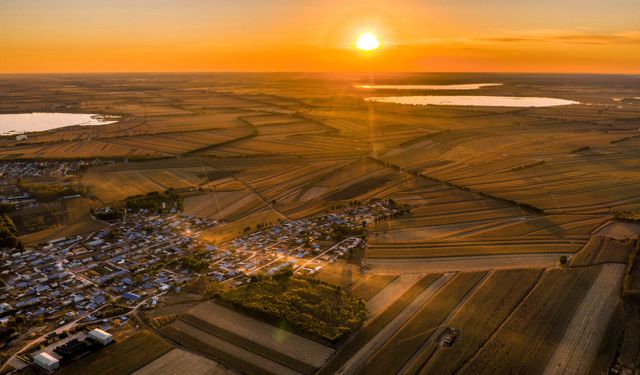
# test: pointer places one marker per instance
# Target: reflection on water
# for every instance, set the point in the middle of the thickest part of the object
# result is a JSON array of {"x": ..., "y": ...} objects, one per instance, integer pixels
[
  {"x": 468, "y": 86},
  {"x": 17, "y": 123},
  {"x": 491, "y": 101}
]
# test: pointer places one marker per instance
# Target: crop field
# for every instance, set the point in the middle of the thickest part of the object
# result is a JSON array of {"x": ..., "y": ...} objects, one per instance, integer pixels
[
  {"x": 261, "y": 338},
  {"x": 361, "y": 342},
  {"x": 463, "y": 263},
  {"x": 227, "y": 353},
  {"x": 579, "y": 345},
  {"x": 180, "y": 361},
  {"x": 114, "y": 186},
  {"x": 121, "y": 358},
  {"x": 512, "y": 236},
  {"x": 341, "y": 274},
  {"x": 526, "y": 340},
  {"x": 380, "y": 301},
  {"x": 397, "y": 351},
  {"x": 600, "y": 250},
  {"x": 370, "y": 285},
  {"x": 477, "y": 319}
]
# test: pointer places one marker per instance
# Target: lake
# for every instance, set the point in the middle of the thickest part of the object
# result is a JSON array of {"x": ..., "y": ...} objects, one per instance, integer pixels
[
  {"x": 18, "y": 123},
  {"x": 486, "y": 101},
  {"x": 466, "y": 86}
]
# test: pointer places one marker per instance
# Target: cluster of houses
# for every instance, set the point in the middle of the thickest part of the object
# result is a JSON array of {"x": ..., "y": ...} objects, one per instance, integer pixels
[
  {"x": 14, "y": 169},
  {"x": 305, "y": 244},
  {"x": 71, "y": 278},
  {"x": 132, "y": 262}
]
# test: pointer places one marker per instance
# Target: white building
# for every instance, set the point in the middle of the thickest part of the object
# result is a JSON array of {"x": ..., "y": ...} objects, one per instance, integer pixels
[
  {"x": 21, "y": 137},
  {"x": 101, "y": 336},
  {"x": 46, "y": 361}
]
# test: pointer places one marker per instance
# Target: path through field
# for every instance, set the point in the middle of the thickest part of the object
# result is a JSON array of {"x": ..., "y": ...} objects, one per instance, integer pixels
[
  {"x": 358, "y": 360},
  {"x": 579, "y": 345}
]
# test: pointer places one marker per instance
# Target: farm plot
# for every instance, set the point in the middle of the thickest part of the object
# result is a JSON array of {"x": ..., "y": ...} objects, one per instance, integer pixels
[
  {"x": 224, "y": 351},
  {"x": 340, "y": 273},
  {"x": 393, "y": 324},
  {"x": 601, "y": 250},
  {"x": 116, "y": 185},
  {"x": 271, "y": 342},
  {"x": 397, "y": 351},
  {"x": 620, "y": 230},
  {"x": 387, "y": 266},
  {"x": 121, "y": 358},
  {"x": 434, "y": 249},
  {"x": 526, "y": 340},
  {"x": 370, "y": 286},
  {"x": 362, "y": 337},
  {"x": 385, "y": 297},
  {"x": 180, "y": 361},
  {"x": 577, "y": 348},
  {"x": 477, "y": 320}
]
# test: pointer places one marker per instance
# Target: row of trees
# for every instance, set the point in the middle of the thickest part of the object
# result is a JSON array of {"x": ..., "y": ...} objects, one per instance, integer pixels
[
  {"x": 8, "y": 233},
  {"x": 46, "y": 193},
  {"x": 154, "y": 200}
]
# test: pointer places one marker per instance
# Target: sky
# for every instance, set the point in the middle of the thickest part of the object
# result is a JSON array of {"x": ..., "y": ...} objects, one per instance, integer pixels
[{"x": 580, "y": 36}]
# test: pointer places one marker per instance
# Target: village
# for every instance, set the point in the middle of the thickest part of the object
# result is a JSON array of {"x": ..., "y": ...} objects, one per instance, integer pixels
[{"x": 99, "y": 279}]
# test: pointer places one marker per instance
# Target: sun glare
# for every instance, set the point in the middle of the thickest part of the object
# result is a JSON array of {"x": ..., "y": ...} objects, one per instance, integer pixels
[{"x": 367, "y": 42}]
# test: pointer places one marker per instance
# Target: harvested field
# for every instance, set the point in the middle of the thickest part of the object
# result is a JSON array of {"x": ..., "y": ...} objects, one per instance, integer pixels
[
  {"x": 340, "y": 273},
  {"x": 385, "y": 297},
  {"x": 410, "y": 339},
  {"x": 120, "y": 358},
  {"x": 370, "y": 285},
  {"x": 257, "y": 336},
  {"x": 577, "y": 348},
  {"x": 374, "y": 327},
  {"x": 227, "y": 353},
  {"x": 526, "y": 340},
  {"x": 620, "y": 230},
  {"x": 115, "y": 186},
  {"x": 477, "y": 320},
  {"x": 361, "y": 358},
  {"x": 180, "y": 361},
  {"x": 471, "y": 248},
  {"x": 601, "y": 250},
  {"x": 465, "y": 264}
]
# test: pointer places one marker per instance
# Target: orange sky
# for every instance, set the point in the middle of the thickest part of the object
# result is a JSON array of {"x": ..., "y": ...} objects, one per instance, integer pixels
[{"x": 318, "y": 35}]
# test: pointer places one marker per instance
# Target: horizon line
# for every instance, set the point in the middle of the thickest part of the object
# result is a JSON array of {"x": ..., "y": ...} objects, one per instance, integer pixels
[{"x": 316, "y": 72}]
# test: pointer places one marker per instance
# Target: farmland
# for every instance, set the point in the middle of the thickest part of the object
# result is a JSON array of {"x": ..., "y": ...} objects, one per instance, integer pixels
[
  {"x": 509, "y": 255},
  {"x": 178, "y": 360},
  {"x": 123, "y": 358}
]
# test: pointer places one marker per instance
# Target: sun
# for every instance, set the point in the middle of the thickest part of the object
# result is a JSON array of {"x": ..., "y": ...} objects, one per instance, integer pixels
[{"x": 367, "y": 42}]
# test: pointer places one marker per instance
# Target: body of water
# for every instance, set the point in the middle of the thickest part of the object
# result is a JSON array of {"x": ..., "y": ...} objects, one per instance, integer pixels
[
  {"x": 486, "y": 101},
  {"x": 18, "y": 123},
  {"x": 467, "y": 86}
]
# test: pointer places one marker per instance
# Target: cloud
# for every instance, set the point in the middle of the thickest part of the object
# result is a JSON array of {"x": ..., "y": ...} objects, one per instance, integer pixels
[{"x": 631, "y": 37}]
